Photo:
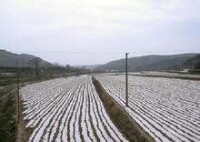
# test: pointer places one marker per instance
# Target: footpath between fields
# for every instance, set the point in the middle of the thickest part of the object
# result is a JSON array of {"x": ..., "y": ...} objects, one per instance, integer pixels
[{"x": 126, "y": 125}]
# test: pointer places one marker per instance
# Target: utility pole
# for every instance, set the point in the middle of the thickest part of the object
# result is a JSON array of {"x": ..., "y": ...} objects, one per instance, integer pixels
[
  {"x": 127, "y": 79},
  {"x": 18, "y": 81},
  {"x": 36, "y": 67}
]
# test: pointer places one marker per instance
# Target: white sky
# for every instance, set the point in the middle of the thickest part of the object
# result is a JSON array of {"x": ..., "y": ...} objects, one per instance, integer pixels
[{"x": 94, "y": 32}]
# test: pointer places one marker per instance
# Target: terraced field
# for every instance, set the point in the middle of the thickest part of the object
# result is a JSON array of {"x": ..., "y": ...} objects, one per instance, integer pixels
[
  {"x": 67, "y": 110},
  {"x": 168, "y": 109}
]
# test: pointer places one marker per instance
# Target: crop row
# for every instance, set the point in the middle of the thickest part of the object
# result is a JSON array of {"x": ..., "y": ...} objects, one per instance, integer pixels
[
  {"x": 168, "y": 109},
  {"x": 67, "y": 110}
]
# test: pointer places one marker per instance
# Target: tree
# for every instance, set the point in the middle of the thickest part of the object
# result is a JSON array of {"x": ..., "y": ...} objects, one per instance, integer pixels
[{"x": 36, "y": 63}]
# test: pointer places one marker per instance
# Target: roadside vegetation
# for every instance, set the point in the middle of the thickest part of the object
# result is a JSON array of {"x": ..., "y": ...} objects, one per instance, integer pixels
[{"x": 8, "y": 114}]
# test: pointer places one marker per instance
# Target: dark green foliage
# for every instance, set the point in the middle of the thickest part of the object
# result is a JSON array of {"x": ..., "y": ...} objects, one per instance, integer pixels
[
  {"x": 193, "y": 63},
  {"x": 197, "y": 66},
  {"x": 8, "y": 124}
]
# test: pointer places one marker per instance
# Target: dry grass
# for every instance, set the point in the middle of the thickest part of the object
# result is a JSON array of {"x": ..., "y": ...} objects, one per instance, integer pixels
[{"x": 126, "y": 125}]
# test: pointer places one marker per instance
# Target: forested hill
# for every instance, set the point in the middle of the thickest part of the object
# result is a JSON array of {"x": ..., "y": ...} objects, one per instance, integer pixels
[
  {"x": 193, "y": 62},
  {"x": 8, "y": 59},
  {"x": 153, "y": 63}
]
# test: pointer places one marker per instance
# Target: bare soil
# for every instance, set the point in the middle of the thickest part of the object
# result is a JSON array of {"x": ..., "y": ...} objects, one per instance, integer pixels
[{"x": 23, "y": 132}]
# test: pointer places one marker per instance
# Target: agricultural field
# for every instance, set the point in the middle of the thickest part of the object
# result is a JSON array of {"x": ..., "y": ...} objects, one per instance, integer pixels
[
  {"x": 167, "y": 75},
  {"x": 168, "y": 109},
  {"x": 67, "y": 109}
]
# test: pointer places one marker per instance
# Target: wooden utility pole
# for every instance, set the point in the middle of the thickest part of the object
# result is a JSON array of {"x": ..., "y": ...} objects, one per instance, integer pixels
[
  {"x": 18, "y": 82},
  {"x": 127, "y": 79},
  {"x": 37, "y": 67}
]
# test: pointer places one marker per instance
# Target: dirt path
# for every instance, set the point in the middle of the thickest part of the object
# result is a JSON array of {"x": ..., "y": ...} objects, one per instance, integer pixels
[{"x": 23, "y": 132}]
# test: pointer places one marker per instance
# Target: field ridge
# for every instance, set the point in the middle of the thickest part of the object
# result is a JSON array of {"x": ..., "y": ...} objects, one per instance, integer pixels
[{"x": 126, "y": 125}]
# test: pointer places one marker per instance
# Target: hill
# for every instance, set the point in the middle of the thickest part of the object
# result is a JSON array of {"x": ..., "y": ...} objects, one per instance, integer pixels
[
  {"x": 150, "y": 63},
  {"x": 8, "y": 59},
  {"x": 193, "y": 63},
  {"x": 89, "y": 67}
]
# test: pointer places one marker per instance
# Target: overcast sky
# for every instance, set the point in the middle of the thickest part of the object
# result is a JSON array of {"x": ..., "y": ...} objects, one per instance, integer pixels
[{"x": 80, "y": 32}]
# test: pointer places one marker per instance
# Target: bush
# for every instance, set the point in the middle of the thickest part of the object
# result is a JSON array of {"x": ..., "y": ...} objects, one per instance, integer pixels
[{"x": 8, "y": 124}]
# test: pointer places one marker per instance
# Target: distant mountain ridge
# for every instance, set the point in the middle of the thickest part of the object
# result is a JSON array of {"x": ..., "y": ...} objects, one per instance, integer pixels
[
  {"x": 90, "y": 67},
  {"x": 150, "y": 63},
  {"x": 9, "y": 59},
  {"x": 142, "y": 63}
]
